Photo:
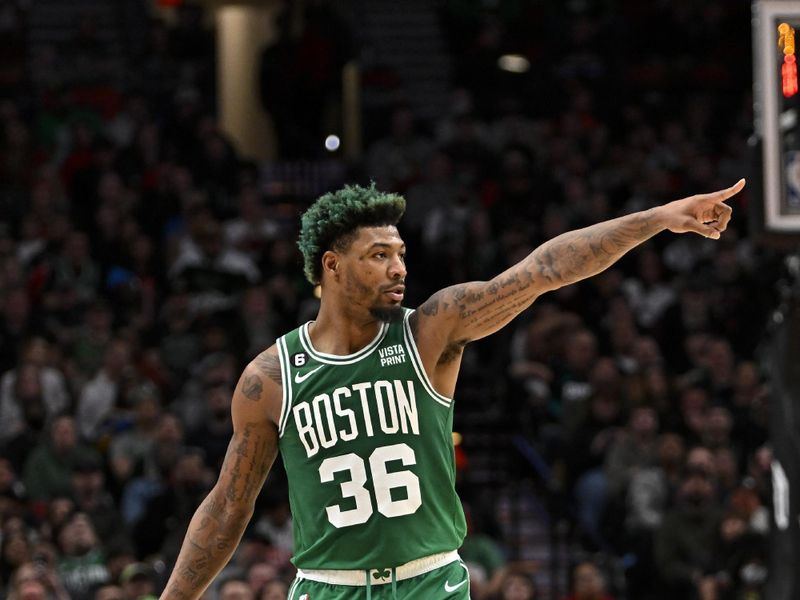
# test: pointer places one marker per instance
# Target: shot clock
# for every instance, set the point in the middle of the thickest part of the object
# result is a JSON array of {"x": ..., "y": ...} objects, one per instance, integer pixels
[{"x": 777, "y": 112}]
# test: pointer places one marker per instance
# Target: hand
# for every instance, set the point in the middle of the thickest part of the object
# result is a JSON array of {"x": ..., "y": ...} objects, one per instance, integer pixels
[{"x": 706, "y": 214}]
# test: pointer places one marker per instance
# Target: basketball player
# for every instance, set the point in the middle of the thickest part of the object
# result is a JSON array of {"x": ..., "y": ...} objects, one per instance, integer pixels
[{"x": 360, "y": 402}]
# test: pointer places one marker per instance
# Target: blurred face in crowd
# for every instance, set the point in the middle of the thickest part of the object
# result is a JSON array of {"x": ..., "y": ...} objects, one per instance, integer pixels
[
  {"x": 16, "y": 550},
  {"x": 189, "y": 471},
  {"x": 58, "y": 511},
  {"x": 219, "y": 402},
  {"x": 87, "y": 483},
  {"x": 260, "y": 574},
  {"x": 118, "y": 357},
  {"x": 109, "y": 592},
  {"x": 274, "y": 590},
  {"x": 138, "y": 586},
  {"x": 62, "y": 435},
  {"x": 236, "y": 590},
  {"x": 604, "y": 408},
  {"x": 518, "y": 587},
  {"x": 719, "y": 424},
  {"x": 605, "y": 377},
  {"x": 28, "y": 384},
  {"x": 696, "y": 490},
  {"x": 77, "y": 536},
  {"x": 701, "y": 459},
  {"x": 589, "y": 584},
  {"x": 670, "y": 450},
  {"x": 581, "y": 350},
  {"x": 644, "y": 422},
  {"x": 147, "y": 410},
  {"x": 27, "y": 583},
  {"x": 693, "y": 409},
  {"x": 646, "y": 351},
  {"x": 719, "y": 356},
  {"x": 170, "y": 430},
  {"x": 36, "y": 352}
]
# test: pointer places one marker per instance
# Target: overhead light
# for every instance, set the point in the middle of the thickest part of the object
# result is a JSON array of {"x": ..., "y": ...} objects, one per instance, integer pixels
[
  {"x": 332, "y": 143},
  {"x": 514, "y": 63}
]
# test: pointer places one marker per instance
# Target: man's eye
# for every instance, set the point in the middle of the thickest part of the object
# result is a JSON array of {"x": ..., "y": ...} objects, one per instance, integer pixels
[{"x": 380, "y": 255}]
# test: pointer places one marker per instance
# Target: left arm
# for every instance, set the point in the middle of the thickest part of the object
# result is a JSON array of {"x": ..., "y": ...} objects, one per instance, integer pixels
[{"x": 470, "y": 311}]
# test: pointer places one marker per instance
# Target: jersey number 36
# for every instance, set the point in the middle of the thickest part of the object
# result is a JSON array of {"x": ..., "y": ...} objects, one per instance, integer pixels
[{"x": 383, "y": 482}]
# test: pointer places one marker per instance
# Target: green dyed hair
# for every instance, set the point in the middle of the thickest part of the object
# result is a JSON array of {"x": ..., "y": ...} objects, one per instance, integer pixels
[{"x": 331, "y": 222}]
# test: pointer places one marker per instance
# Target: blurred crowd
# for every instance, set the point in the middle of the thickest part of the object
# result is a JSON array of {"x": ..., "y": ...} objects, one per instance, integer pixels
[{"x": 143, "y": 264}]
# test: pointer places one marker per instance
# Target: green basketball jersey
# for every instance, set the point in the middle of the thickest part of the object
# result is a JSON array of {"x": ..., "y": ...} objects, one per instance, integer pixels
[{"x": 368, "y": 450}]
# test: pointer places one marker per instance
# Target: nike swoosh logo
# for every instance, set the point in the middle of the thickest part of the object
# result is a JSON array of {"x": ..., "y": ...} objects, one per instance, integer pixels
[
  {"x": 301, "y": 378},
  {"x": 452, "y": 588}
]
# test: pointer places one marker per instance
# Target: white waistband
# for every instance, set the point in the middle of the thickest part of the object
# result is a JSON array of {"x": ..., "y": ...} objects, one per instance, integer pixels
[{"x": 379, "y": 576}]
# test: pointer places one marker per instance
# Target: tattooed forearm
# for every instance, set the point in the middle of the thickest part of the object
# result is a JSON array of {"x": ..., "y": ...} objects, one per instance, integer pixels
[
  {"x": 210, "y": 541},
  {"x": 218, "y": 524},
  {"x": 580, "y": 254},
  {"x": 479, "y": 308},
  {"x": 269, "y": 365}
]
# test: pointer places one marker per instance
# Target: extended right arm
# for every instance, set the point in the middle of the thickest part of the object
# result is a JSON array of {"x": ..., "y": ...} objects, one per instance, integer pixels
[{"x": 220, "y": 521}]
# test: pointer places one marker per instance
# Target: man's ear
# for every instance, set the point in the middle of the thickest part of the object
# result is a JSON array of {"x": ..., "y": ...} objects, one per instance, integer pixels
[{"x": 330, "y": 262}]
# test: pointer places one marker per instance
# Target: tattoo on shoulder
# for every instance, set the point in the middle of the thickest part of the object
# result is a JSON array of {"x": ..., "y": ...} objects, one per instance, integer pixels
[
  {"x": 430, "y": 307},
  {"x": 270, "y": 365},
  {"x": 251, "y": 387}
]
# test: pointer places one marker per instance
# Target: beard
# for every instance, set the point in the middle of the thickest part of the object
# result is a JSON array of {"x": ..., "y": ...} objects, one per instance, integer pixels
[{"x": 387, "y": 314}]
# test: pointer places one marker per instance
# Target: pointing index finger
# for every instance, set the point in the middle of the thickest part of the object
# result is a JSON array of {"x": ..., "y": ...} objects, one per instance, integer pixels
[{"x": 733, "y": 190}]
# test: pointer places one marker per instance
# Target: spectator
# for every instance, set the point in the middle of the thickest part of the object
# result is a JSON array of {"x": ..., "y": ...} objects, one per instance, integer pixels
[
  {"x": 588, "y": 583},
  {"x": 92, "y": 340},
  {"x": 651, "y": 488},
  {"x": 260, "y": 574},
  {"x": 33, "y": 393},
  {"x": 213, "y": 273},
  {"x": 48, "y": 470},
  {"x": 82, "y": 565},
  {"x": 109, "y": 591},
  {"x": 274, "y": 590},
  {"x": 518, "y": 585},
  {"x": 14, "y": 552},
  {"x": 30, "y": 582},
  {"x": 166, "y": 516},
  {"x": 129, "y": 449},
  {"x": 275, "y": 524},
  {"x": 235, "y": 589},
  {"x": 215, "y": 433},
  {"x": 102, "y": 395},
  {"x": 685, "y": 544},
  {"x": 635, "y": 449},
  {"x": 17, "y": 324},
  {"x": 91, "y": 497},
  {"x": 137, "y": 581}
]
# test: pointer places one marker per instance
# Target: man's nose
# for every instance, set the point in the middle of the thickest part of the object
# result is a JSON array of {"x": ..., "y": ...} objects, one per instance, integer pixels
[{"x": 397, "y": 269}]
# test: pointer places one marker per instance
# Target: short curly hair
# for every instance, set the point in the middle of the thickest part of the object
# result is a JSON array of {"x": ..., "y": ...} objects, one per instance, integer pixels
[{"x": 331, "y": 222}]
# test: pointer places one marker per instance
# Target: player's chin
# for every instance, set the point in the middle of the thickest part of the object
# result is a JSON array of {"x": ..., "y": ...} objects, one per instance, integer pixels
[{"x": 388, "y": 313}]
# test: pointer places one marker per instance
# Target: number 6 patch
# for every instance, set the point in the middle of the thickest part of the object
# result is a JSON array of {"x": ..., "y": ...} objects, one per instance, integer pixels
[{"x": 299, "y": 359}]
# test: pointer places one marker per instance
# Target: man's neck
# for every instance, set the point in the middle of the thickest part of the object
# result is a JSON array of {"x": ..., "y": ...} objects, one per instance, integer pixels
[{"x": 337, "y": 331}]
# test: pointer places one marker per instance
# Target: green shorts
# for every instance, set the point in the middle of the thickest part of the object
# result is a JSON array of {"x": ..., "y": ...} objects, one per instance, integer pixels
[{"x": 449, "y": 582}]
